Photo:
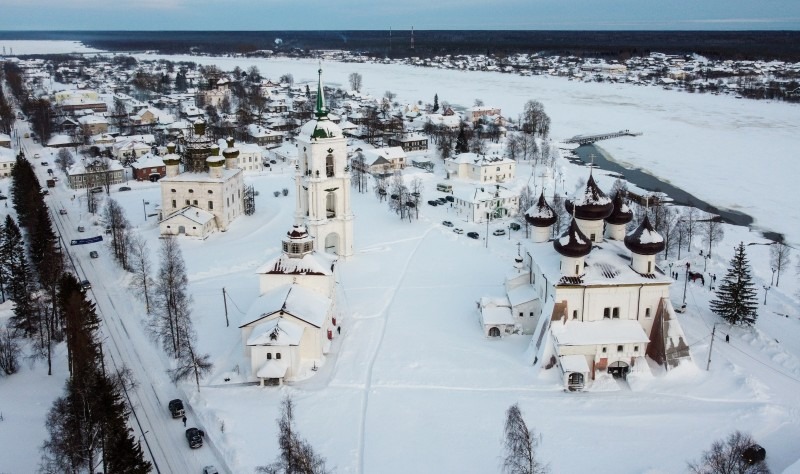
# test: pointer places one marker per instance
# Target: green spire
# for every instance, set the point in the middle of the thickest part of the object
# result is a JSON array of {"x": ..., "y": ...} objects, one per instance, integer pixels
[{"x": 321, "y": 111}]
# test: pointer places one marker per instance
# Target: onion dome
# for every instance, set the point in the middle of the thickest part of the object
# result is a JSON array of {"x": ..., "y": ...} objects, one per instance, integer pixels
[
  {"x": 644, "y": 240},
  {"x": 215, "y": 160},
  {"x": 541, "y": 214},
  {"x": 230, "y": 152},
  {"x": 622, "y": 214},
  {"x": 591, "y": 204},
  {"x": 573, "y": 243}
]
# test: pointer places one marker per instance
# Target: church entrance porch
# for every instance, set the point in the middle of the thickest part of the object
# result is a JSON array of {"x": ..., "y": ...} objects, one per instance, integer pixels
[
  {"x": 494, "y": 332},
  {"x": 619, "y": 369},
  {"x": 575, "y": 382}
]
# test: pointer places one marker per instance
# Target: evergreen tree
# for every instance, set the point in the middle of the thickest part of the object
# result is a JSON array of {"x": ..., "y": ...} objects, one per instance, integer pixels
[
  {"x": 462, "y": 143},
  {"x": 736, "y": 296},
  {"x": 435, "y": 103},
  {"x": 20, "y": 281}
]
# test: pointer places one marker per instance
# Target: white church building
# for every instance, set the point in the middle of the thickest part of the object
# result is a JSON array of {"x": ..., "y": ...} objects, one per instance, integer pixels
[
  {"x": 208, "y": 195},
  {"x": 288, "y": 329},
  {"x": 602, "y": 304}
]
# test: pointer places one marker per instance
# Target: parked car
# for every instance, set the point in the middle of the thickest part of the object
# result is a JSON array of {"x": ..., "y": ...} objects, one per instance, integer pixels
[
  {"x": 210, "y": 470},
  {"x": 273, "y": 162},
  {"x": 44, "y": 163},
  {"x": 96, "y": 189},
  {"x": 447, "y": 223},
  {"x": 499, "y": 232},
  {"x": 514, "y": 226},
  {"x": 45, "y": 191},
  {"x": 49, "y": 170},
  {"x": 86, "y": 285},
  {"x": 473, "y": 235},
  {"x": 442, "y": 201},
  {"x": 176, "y": 408},
  {"x": 433, "y": 203},
  {"x": 449, "y": 198},
  {"x": 194, "y": 437},
  {"x": 458, "y": 231},
  {"x": 36, "y": 156},
  {"x": 124, "y": 188},
  {"x": 3, "y": 198},
  {"x": 81, "y": 228},
  {"x": 753, "y": 454},
  {"x": 62, "y": 211},
  {"x": 94, "y": 254}
]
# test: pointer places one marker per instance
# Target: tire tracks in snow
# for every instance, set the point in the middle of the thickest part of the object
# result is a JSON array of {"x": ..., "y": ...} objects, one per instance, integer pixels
[{"x": 368, "y": 382}]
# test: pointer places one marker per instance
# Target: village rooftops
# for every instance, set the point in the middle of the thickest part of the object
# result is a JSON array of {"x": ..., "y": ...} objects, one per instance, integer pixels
[
  {"x": 486, "y": 193},
  {"x": 607, "y": 264},
  {"x": 298, "y": 301},
  {"x": 148, "y": 161}
]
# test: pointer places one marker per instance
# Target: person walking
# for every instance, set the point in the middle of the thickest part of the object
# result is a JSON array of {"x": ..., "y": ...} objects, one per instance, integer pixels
[{"x": 184, "y": 421}]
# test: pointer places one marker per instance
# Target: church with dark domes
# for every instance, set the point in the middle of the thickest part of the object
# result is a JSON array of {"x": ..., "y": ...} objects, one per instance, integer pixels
[{"x": 602, "y": 304}]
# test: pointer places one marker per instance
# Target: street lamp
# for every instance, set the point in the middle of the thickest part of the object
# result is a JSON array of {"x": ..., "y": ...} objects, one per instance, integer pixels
[
  {"x": 772, "y": 281},
  {"x": 671, "y": 275},
  {"x": 766, "y": 290}
]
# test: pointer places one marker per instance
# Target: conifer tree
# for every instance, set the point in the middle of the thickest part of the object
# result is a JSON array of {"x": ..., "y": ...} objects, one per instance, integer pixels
[
  {"x": 435, "y": 103},
  {"x": 736, "y": 296},
  {"x": 462, "y": 144},
  {"x": 20, "y": 281}
]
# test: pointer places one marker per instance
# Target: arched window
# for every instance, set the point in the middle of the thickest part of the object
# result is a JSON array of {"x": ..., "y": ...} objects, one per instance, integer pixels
[
  {"x": 278, "y": 355},
  {"x": 269, "y": 355},
  {"x": 329, "y": 165},
  {"x": 330, "y": 204}
]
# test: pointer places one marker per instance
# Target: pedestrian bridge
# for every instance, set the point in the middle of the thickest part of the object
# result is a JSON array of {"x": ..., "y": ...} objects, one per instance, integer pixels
[{"x": 587, "y": 139}]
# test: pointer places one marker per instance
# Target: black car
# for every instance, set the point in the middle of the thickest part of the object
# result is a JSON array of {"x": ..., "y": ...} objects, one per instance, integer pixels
[
  {"x": 86, "y": 285},
  {"x": 124, "y": 188},
  {"x": 433, "y": 203},
  {"x": 449, "y": 198},
  {"x": 194, "y": 437},
  {"x": 2, "y": 198},
  {"x": 472, "y": 235},
  {"x": 176, "y": 408}
]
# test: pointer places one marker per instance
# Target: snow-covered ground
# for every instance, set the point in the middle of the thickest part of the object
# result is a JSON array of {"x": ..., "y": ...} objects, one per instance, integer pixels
[{"x": 412, "y": 385}]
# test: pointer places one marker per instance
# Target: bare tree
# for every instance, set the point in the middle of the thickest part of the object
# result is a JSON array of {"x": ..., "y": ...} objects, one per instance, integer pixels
[
  {"x": 296, "y": 456},
  {"x": 170, "y": 323},
  {"x": 120, "y": 229},
  {"x": 355, "y": 81},
  {"x": 690, "y": 223},
  {"x": 359, "y": 173},
  {"x": 728, "y": 457},
  {"x": 142, "y": 269},
  {"x": 779, "y": 257},
  {"x": 520, "y": 445},
  {"x": 9, "y": 352},
  {"x": 64, "y": 159},
  {"x": 191, "y": 364},
  {"x": 712, "y": 232}
]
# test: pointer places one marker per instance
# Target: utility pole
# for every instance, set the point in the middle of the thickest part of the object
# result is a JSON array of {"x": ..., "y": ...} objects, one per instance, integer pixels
[
  {"x": 711, "y": 347},
  {"x": 225, "y": 301}
]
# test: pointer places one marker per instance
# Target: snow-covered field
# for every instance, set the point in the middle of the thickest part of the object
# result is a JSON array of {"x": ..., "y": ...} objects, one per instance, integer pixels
[
  {"x": 20, "y": 47},
  {"x": 412, "y": 385}
]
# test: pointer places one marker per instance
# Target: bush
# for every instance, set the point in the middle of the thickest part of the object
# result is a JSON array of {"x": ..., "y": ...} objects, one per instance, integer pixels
[
  {"x": 285, "y": 191},
  {"x": 277, "y": 193}
]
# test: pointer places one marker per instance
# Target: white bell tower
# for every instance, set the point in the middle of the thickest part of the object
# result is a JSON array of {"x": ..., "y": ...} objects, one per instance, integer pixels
[{"x": 323, "y": 182}]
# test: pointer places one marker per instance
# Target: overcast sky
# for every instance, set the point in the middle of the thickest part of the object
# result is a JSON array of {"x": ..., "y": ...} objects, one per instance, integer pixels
[{"x": 399, "y": 14}]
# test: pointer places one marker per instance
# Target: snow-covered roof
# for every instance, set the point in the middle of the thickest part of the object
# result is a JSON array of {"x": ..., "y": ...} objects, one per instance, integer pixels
[
  {"x": 496, "y": 310},
  {"x": 614, "y": 331},
  {"x": 574, "y": 363},
  {"x": 201, "y": 177},
  {"x": 320, "y": 129},
  {"x": 296, "y": 300},
  {"x": 310, "y": 264},
  {"x": 148, "y": 160},
  {"x": 608, "y": 263},
  {"x": 522, "y": 294},
  {"x": 194, "y": 214},
  {"x": 276, "y": 332}
]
